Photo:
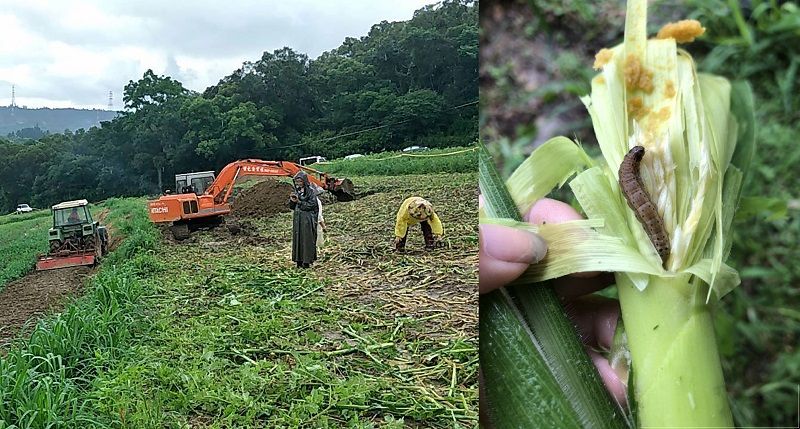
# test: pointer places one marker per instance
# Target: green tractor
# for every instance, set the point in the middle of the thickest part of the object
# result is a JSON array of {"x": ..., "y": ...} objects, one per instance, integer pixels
[{"x": 75, "y": 239}]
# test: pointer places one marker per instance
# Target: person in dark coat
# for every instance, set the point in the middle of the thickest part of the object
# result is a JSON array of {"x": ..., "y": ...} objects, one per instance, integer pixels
[{"x": 304, "y": 222}]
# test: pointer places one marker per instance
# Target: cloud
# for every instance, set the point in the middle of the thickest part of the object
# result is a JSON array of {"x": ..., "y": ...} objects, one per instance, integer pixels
[{"x": 76, "y": 51}]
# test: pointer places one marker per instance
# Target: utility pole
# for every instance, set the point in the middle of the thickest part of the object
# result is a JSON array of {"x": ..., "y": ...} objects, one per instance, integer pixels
[{"x": 13, "y": 104}]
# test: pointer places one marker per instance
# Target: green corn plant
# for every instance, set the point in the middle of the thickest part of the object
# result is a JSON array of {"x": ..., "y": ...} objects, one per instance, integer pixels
[{"x": 698, "y": 134}]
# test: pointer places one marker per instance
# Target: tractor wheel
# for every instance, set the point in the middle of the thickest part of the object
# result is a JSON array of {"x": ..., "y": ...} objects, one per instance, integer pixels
[
  {"x": 103, "y": 233},
  {"x": 180, "y": 231}
]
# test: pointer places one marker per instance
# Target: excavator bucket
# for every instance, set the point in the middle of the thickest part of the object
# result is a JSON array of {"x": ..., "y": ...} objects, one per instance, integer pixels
[
  {"x": 45, "y": 263},
  {"x": 344, "y": 190}
]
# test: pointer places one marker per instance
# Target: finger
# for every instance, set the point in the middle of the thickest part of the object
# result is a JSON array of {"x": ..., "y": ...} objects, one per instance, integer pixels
[
  {"x": 596, "y": 319},
  {"x": 611, "y": 380},
  {"x": 493, "y": 274},
  {"x": 548, "y": 210},
  {"x": 505, "y": 253},
  {"x": 510, "y": 244},
  {"x": 573, "y": 286}
]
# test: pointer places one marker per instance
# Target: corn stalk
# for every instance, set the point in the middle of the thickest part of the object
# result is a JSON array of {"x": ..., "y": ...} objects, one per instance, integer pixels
[{"x": 698, "y": 135}]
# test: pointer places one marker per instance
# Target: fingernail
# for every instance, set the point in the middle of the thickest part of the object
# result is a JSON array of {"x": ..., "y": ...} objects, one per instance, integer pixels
[{"x": 512, "y": 245}]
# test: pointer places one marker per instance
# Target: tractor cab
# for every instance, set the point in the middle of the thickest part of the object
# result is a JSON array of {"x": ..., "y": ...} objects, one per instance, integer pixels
[
  {"x": 75, "y": 238},
  {"x": 71, "y": 220},
  {"x": 71, "y": 213}
]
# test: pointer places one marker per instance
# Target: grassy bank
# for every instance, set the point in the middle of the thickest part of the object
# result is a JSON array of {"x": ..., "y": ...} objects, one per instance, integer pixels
[
  {"x": 11, "y": 218},
  {"x": 462, "y": 160}
]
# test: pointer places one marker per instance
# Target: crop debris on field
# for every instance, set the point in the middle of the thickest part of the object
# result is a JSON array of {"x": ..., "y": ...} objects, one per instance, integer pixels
[{"x": 233, "y": 335}]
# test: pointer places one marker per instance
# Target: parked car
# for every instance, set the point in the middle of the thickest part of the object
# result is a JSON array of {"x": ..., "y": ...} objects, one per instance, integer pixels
[
  {"x": 353, "y": 156},
  {"x": 415, "y": 149},
  {"x": 24, "y": 208}
]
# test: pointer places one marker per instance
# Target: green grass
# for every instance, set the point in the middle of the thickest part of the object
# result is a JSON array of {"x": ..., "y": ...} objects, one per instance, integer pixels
[
  {"x": 399, "y": 163},
  {"x": 240, "y": 346},
  {"x": 11, "y": 218},
  {"x": 43, "y": 377},
  {"x": 22, "y": 241},
  {"x": 758, "y": 326}
]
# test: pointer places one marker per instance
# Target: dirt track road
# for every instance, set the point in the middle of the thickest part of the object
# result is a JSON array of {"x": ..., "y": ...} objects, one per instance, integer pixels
[{"x": 35, "y": 294}]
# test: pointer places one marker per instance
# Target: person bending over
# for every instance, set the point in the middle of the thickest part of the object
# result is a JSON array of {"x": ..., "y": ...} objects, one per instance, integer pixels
[{"x": 417, "y": 210}]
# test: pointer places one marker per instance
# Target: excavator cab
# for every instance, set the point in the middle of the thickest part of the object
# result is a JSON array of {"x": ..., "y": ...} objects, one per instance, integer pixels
[{"x": 193, "y": 183}]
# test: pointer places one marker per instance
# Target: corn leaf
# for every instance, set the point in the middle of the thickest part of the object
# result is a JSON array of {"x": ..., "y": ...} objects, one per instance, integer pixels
[
  {"x": 538, "y": 175},
  {"x": 536, "y": 372}
]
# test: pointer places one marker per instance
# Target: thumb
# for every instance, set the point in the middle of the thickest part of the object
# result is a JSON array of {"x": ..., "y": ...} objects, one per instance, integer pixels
[{"x": 505, "y": 253}]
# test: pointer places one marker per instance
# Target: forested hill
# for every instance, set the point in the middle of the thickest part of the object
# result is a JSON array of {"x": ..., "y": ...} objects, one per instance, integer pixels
[
  {"x": 14, "y": 119},
  {"x": 404, "y": 83}
]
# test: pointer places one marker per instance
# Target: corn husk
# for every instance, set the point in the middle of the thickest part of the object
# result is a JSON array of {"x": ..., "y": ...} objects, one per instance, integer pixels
[{"x": 697, "y": 131}]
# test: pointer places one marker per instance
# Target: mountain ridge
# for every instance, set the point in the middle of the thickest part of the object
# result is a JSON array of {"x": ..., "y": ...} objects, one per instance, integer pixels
[{"x": 54, "y": 120}]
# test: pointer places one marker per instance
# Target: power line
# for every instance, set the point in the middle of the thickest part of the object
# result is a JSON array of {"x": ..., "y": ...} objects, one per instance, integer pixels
[{"x": 377, "y": 127}]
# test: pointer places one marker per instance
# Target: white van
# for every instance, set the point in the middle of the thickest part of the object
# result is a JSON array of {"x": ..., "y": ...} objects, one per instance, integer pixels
[
  {"x": 311, "y": 160},
  {"x": 24, "y": 208}
]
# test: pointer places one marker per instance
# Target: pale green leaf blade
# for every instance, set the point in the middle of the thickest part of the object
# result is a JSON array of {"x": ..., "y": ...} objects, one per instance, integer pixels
[{"x": 538, "y": 175}]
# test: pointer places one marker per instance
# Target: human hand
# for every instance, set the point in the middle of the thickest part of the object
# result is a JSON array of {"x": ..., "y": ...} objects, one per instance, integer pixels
[
  {"x": 505, "y": 253},
  {"x": 293, "y": 197}
]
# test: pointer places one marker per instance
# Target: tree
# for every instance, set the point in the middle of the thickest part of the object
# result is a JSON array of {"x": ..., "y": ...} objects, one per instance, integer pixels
[{"x": 152, "y": 117}]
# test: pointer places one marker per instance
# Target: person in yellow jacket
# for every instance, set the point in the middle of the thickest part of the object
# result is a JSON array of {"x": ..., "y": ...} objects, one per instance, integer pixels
[{"x": 416, "y": 210}]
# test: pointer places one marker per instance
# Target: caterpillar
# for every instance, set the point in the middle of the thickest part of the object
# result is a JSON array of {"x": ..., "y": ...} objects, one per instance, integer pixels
[{"x": 631, "y": 185}]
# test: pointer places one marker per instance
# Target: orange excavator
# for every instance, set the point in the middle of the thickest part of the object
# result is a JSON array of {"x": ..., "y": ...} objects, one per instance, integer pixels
[{"x": 191, "y": 208}]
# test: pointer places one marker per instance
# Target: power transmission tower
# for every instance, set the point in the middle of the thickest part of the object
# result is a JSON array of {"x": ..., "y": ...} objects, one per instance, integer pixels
[{"x": 110, "y": 100}]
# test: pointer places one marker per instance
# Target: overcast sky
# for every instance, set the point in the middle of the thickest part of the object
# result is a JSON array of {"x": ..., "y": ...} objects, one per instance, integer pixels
[{"x": 72, "y": 53}]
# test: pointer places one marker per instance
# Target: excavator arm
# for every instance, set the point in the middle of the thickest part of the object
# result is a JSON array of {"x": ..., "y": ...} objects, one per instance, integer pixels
[{"x": 222, "y": 187}]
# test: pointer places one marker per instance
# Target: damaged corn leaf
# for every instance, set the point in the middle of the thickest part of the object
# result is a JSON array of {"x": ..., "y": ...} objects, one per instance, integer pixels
[
  {"x": 689, "y": 129},
  {"x": 697, "y": 132}
]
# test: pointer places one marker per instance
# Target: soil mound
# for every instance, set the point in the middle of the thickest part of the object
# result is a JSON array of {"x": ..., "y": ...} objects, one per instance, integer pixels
[{"x": 266, "y": 198}]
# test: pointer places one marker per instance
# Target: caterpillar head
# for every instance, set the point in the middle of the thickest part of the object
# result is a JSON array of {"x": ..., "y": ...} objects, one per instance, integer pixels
[{"x": 637, "y": 152}]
